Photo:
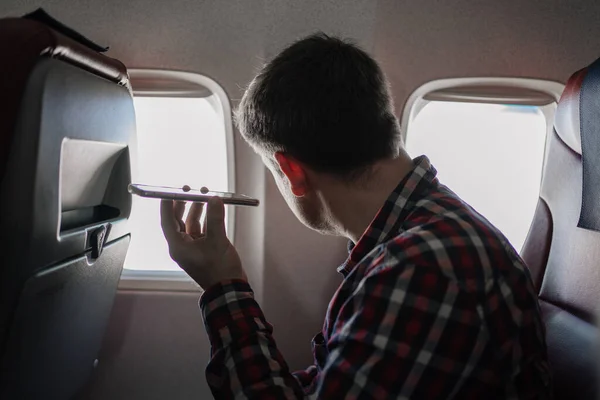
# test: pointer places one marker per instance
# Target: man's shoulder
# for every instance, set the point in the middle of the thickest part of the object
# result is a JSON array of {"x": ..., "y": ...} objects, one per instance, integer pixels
[{"x": 449, "y": 238}]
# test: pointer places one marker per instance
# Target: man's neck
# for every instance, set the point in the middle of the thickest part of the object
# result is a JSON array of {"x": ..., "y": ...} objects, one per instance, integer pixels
[{"x": 353, "y": 207}]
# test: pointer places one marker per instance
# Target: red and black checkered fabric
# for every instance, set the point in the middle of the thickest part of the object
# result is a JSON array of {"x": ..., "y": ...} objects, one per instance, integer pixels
[{"x": 435, "y": 304}]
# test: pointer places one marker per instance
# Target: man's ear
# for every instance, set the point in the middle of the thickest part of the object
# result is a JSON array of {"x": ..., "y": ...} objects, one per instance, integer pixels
[{"x": 294, "y": 171}]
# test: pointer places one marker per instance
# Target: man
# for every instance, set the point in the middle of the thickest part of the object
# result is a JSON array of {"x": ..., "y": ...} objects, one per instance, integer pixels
[{"x": 434, "y": 303}]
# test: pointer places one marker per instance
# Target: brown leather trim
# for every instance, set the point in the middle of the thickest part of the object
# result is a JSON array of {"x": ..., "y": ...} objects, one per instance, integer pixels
[
  {"x": 566, "y": 118},
  {"x": 537, "y": 245},
  {"x": 88, "y": 59},
  {"x": 53, "y": 44}
]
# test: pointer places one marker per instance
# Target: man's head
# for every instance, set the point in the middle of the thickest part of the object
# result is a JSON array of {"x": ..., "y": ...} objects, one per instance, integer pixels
[{"x": 320, "y": 110}]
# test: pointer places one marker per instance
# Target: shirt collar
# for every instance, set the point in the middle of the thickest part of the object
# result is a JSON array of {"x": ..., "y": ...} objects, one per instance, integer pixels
[{"x": 389, "y": 218}]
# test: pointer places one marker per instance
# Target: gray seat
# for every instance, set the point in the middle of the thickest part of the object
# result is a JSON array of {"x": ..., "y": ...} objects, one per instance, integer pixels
[
  {"x": 564, "y": 254},
  {"x": 66, "y": 125}
]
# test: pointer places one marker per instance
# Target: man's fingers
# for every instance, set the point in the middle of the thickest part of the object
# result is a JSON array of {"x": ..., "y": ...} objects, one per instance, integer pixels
[
  {"x": 168, "y": 222},
  {"x": 192, "y": 223},
  {"x": 215, "y": 218},
  {"x": 179, "y": 209}
]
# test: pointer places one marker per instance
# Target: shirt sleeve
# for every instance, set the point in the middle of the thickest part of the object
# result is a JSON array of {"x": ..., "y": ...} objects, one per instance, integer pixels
[{"x": 245, "y": 362}]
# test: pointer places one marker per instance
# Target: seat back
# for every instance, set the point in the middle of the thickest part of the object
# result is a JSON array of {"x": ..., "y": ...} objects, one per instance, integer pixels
[
  {"x": 563, "y": 251},
  {"x": 67, "y": 124}
]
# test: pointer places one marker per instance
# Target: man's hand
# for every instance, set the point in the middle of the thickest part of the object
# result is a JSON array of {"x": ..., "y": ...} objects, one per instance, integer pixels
[{"x": 205, "y": 254}]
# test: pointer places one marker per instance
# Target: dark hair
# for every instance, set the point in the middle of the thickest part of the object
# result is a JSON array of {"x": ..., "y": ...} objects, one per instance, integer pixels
[{"x": 325, "y": 102}]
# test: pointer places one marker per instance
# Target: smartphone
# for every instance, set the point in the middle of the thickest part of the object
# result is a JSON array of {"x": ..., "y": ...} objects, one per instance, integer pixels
[{"x": 195, "y": 195}]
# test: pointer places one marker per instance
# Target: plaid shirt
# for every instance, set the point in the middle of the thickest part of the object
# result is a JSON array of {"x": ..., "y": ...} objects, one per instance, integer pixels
[{"x": 434, "y": 304}]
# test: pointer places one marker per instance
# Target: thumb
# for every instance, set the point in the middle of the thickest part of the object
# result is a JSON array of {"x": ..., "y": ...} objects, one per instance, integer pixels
[{"x": 215, "y": 218}]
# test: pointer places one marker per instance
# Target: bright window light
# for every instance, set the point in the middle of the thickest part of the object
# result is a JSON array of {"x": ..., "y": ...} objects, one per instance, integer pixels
[
  {"x": 181, "y": 141},
  {"x": 490, "y": 155}
]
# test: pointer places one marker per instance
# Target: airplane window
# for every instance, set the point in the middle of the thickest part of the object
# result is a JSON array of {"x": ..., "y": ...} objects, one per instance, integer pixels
[
  {"x": 181, "y": 141},
  {"x": 490, "y": 155}
]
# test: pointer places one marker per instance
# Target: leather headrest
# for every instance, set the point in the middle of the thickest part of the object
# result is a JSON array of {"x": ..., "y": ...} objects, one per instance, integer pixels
[{"x": 567, "y": 120}]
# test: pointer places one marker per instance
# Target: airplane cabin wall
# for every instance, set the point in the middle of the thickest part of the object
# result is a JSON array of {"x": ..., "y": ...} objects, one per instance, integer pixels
[
  {"x": 155, "y": 347},
  {"x": 420, "y": 41}
]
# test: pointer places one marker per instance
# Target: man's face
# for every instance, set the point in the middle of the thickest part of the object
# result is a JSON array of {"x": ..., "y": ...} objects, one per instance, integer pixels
[{"x": 310, "y": 209}]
